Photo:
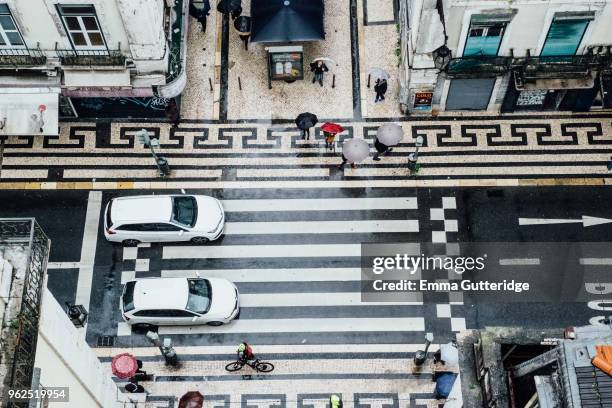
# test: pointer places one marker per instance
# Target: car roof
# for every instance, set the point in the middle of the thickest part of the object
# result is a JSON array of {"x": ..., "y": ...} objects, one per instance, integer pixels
[
  {"x": 137, "y": 209},
  {"x": 161, "y": 293}
]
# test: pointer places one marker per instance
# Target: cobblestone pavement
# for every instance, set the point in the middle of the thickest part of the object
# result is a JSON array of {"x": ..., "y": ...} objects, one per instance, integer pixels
[{"x": 463, "y": 151}]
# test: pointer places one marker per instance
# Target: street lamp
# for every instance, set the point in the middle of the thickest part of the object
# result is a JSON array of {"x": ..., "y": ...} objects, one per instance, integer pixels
[
  {"x": 421, "y": 355},
  {"x": 160, "y": 162},
  {"x": 442, "y": 57},
  {"x": 165, "y": 348},
  {"x": 413, "y": 157}
]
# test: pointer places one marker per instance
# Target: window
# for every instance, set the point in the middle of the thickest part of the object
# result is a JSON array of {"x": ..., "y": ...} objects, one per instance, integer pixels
[
  {"x": 9, "y": 34},
  {"x": 128, "y": 296},
  {"x": 484, "y": 39},
  {"x": 82, "y": 26},
  {"x": 167, "y": 228},
  {"x": 164, "y": 313},
  {"x": 564, "y": 36},
  {"x": 131, "y": 227},
  {"x": 199, "y": 295},
  {"x": 184, "y": 210}
]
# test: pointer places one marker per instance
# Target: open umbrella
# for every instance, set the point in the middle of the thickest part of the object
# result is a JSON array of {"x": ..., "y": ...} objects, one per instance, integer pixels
[
  {"x": 355, "y": 150},
  {"x": 390, "y": 134},
  {"x": 379, "y": 73},
  {"x": 306, "y": 120},
  {"x": 191, "y": 399},
  {"x": 124, "y": 365},
  {"x": 449, "y": 353},
  {"x": 333, "y": 128},
  {"x": 228, "y": 6},
  {"x": 327, "y": 61},
  {"x": 287, "y": 20},
  {"x": 242, "y": 24}
]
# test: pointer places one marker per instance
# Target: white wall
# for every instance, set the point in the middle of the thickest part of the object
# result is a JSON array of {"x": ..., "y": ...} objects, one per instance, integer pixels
[{"x": 66, "y": 360}]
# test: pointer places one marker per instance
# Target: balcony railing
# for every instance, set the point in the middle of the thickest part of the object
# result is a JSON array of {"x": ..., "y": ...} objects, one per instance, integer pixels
[
  {"x": 480, "y": 65},
  {"x": 22, "y": 57},
  {"x": 562, "y": 66},
  {"x": 91, "y": 57}
]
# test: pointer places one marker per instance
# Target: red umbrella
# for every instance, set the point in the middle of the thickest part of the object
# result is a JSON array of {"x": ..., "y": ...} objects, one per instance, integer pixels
[
  {"x": 124, "y": 365},
  {"x": 332, "y": 128}
]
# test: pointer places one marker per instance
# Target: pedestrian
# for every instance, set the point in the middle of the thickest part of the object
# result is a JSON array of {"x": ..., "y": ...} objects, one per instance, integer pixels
[
  {"x": 610, "y": 164},
  {"x": 140, "y": 370},
  {"x": 344, "y": 161},
  {"x": 381, "y": 149},
  {"x": 329, "y": 140},
  {"x": 200, "y": 14},
  {"x": 172, "y": 113},
  {"x": 245, "y": 352},
  {"x": 318, "y": 68},
  {"x": 245, "y": 40},
  {"x": 134, "y": 387},
  {"x": 236, "y": 13},
  {"x": 380, "y": 88}
]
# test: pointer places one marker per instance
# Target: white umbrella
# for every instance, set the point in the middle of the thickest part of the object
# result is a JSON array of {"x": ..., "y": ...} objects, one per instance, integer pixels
[
  {"x": 379, "y": 73},
  {"x": 449, "y": 353},
  {"x": 355, "y": 150},
  {"x": 327, "y": 61},
  {"x": 390, "y": 134}
]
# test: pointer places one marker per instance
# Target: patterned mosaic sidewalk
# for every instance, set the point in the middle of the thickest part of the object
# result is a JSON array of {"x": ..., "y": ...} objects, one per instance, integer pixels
[{"x": 459, "y": 151}]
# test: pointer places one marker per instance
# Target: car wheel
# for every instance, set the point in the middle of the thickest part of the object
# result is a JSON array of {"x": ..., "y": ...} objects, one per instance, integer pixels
[
  {"x": 130, "y": 242},
  {"x": 214, "y": 323},
  {"x": 199, "y": 240}
]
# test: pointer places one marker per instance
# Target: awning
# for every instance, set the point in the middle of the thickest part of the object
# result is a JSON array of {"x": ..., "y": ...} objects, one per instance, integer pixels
[
  {"x": 287, "y": 20},
  {"x": 25, "y": 111}
]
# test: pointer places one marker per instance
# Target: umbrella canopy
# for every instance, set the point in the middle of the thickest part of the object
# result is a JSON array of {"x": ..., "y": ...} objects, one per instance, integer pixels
[
  {"x": 379, "y": 73},
  {"x": 191, "y": 399},
  {"x": 306, "y": 120},
  {"x": 228, "y": 6},
  {"x": 287, "y": 20},
  {"x": 124, "y": 365},
  {"x": 390, "y": 134},
  {"x": 355, "y": 150},
  {"x": 332, "y": 128},
  {"x": 243, "y": 24},
  {"x": 327, "y": 61},
  {"x": 449, "y": 353}
]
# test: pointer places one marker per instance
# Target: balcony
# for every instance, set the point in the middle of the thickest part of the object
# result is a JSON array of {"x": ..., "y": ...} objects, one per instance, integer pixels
[
  {"x": 556, "y": 67},
  {"x": 91, "y": 57},
  {"x": 21, "y": 57},
  {"x": 467, "y": 67}
]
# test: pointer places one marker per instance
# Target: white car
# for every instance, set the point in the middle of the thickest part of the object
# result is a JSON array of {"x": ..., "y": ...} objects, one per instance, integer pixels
[
  {"x": 179, "y": 301},
  {"x": 163, "y": 218}
]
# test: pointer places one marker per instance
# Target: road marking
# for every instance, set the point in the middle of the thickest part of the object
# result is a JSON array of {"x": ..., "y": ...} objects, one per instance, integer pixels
[
  {"x": 398, "y": 324},
  {"x": 88, "y": 249},
  {"x": 321, "y": 204},
  {"x": 24, "y": 174},
  {"x": 586, "y": 221},
  {"x": 519, "y": 261},
  {"x": 595, "y": 261},
  {"x": 63, "y": 265},
  {"x": 288, "y": 172},
  {"x": 320, "y": 227},
  {"x": 312, "y": 299},
  {"x": 271, "y": 275},
  {"x": 262, "y": 251},
  {"x": 121, "y": 173}
]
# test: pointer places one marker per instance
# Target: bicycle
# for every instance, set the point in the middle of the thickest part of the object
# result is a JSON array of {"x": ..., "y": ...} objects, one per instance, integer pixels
[{"x": 257, "y": 365}]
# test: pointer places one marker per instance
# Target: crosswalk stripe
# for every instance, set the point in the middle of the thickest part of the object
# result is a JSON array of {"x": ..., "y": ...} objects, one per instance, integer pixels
[
  {"x": 386, "y": 324},
  {"x": 321, "y": 204},
  {"x": 320, "y": 227},
  {"x": 262, "y": 251},
  {"x": 152, "y": 172},
  {"x": 308, "y": 299},
  {"x": 286, "y": 172},
  {"x": 271, "y": 275}
]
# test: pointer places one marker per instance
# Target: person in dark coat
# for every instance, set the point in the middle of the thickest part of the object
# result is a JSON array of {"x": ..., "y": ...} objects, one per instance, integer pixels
[
  {"x": 381, "y": 149},
  {"x": 172, "y": 113},
  {"x": 610, "y": 164},
  {"x": 236, "y": 13},
  {"x": 200, "y": 14},
  {"x": 318, "y": 68},
  {"x": 380, "y": 88}
]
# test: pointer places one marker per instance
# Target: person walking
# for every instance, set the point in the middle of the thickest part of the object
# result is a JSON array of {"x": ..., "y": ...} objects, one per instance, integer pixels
[
  {"x": 200, "y": 14},
  {"x": 610, "y": 164},
  {"x": 318, "y": 68},
  {"x": 329, "y": 140},
  {"x": 380, "y": 88},
  {"x": 172, "y": 113},
  {"x": 381, "y": 149},
  {"x": 344, "y": 161}
]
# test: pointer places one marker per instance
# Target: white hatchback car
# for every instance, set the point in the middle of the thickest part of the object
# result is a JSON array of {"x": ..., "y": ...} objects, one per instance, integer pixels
[
  {"x": 179, "y": 301},
  {"x": 163, "y": 218}
]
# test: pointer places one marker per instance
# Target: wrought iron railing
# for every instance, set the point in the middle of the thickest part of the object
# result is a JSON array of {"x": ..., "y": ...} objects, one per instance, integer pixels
[
  {"x": 480, "y": 65},
  {"x": 175, "y": 39},
  {"x": 26, "y": 232},
  {"x": 22, "y": 57},
  {"x": 561, "y": 66},
  {"x": 104, "y": 57}
]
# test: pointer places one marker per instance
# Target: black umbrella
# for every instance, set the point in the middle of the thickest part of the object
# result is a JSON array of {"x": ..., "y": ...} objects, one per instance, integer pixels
[
  {"x": 229, "y": 6},
  {"x": 306, "y": 120},
  {"x": 287, "y": 20},
  {"x": 243, "y": 25}
]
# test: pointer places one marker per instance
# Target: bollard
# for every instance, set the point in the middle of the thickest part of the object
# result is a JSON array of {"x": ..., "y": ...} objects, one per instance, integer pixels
[
  {"x": 333, "y": 80},
  {"x": 239, "y": 84},
  {"x": 210, "y": 84},
  {"x": 369, "y": 80}
]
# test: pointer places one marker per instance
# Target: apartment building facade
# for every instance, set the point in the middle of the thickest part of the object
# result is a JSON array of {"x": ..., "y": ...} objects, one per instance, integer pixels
[
  {"x": 88, "y": 58},
  {"x": 505, "y": 56}
]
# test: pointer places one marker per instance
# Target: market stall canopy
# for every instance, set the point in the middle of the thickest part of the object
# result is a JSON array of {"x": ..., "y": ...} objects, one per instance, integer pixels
[{"x": 287, "y": 20}]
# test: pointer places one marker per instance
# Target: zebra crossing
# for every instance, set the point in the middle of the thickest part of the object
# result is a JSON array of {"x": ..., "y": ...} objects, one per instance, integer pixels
[{"x": 296, "y": 263}]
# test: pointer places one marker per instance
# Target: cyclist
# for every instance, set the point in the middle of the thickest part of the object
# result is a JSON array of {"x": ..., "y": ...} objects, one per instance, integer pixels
[{"x": 245, "y": 352}]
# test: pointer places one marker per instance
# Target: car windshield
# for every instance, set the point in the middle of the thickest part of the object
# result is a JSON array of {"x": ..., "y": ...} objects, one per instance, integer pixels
[
  {"x": 128, "y": 296},
  {"x": 199, "y": 295},
  {"x": 184, "y": 210}
]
